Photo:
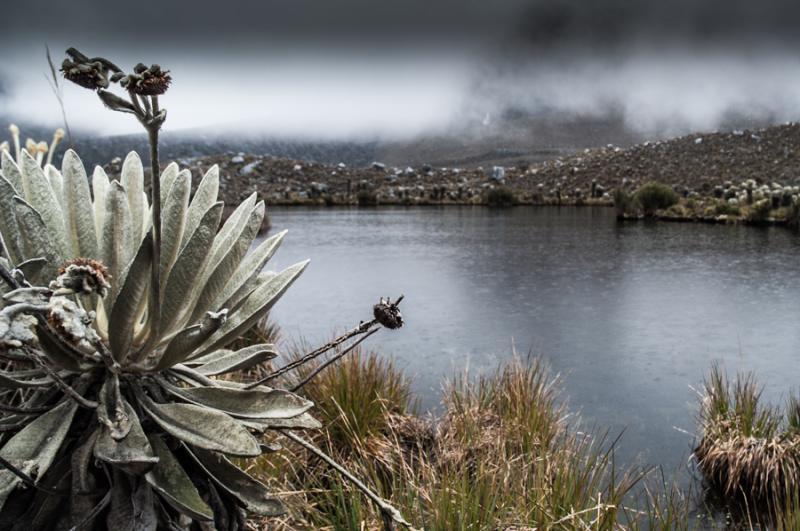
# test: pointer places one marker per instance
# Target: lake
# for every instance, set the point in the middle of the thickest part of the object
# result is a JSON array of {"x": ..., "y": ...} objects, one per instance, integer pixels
[{"x": 631, "y": 315}]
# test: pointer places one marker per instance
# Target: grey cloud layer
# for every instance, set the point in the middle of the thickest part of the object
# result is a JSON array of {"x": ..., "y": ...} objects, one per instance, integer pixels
[{"x": 217, "y": 23}]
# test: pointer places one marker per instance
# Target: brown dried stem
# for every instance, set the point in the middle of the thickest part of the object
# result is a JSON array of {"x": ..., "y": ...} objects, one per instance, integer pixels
[
  {"x": 389, "y": 513},
  {"x": 360, "y": 329}
]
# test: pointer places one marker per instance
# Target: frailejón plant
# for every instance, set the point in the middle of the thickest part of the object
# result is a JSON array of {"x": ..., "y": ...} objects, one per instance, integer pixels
[
  {"x": 92, "y": 391},
  {"x": 116, "y": 312}
]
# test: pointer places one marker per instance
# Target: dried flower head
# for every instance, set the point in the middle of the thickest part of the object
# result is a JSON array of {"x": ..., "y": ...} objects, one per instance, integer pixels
[
  {"x": 144, "y": 81},
  {"x": 88, "y": 73},
  {"x": 91, "y": 75},
  {"x": 388, "y": 314},
  {"x": 13, "y": 129},
  {"x": 82, "y": 275}
]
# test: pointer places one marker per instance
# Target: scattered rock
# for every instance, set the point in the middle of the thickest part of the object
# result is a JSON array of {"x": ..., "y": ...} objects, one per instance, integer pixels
[{"x": 247, "y": 169}]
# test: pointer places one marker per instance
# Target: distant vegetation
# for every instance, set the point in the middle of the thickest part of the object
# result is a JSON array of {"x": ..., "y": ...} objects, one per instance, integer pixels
[
  {"x": 624, "y": 203},
  {"x": 501, "y": 196},
  {"x": 655, "y": 196},
  {"x": 759, "y": 211},
  {"x": 726, "y": 209},
  {"x": 367, "y": 198}
]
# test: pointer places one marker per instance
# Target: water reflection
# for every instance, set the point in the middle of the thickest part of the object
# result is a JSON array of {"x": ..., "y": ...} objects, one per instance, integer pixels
[{"x": 631, "y": 315}]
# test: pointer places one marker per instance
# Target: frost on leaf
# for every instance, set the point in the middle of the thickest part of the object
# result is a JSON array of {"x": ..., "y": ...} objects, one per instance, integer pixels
[{"x": 16, "y": 327}]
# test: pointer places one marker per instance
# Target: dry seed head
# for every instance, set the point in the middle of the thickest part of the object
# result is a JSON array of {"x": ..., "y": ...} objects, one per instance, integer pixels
[
  {"x": 388, "y": 314},
  {"x": 58, "y": 135},
  {"x": 145, "y": 81},
  {"x": 82, "y": 275},
  {"x": 30, "y": 146},
  {"x": 13, "y": 129},
  {"x": 88, "y": 75},
  {"x": 4, "y": 146},
  {"x": 41, "y": 147}
]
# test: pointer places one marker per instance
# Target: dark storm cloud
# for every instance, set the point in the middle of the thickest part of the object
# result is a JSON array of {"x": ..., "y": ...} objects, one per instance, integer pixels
[
  {"x": 614, "y": 22},
  {"x": 539, "y": 22},
  {"x": 220, "y": 22}
]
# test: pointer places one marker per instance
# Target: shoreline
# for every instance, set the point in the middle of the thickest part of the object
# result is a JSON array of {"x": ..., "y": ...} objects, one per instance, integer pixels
[
  {"x": 718, "y": 178},
  {"x": 623, "y": 218}
]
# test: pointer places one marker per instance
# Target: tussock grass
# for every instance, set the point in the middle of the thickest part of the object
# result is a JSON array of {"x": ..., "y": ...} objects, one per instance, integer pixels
[
  {"x": 505, "y": 453},
  {"x": 661, "y": 504},
  {"x": 749, "y": 452}
]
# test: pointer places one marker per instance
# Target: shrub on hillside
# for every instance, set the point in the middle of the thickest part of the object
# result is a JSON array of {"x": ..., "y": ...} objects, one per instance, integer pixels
[
  {"x": 726, "y": 209},
  {"x": 655, "y": 196},
  {"x": 367, "y": 198},
  {"x": 501, "y": 197}
]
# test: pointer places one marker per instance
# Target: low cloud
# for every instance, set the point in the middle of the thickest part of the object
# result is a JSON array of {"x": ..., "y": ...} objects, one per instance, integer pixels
[{"x": 358, "y": 95}]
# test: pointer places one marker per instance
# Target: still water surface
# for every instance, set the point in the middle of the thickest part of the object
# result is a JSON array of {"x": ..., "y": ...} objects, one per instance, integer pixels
[{"x": 631, "y": 315}]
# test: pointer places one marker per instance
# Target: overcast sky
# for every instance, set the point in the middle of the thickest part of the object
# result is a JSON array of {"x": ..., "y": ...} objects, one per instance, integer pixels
[{"x": 365, "y": 69}]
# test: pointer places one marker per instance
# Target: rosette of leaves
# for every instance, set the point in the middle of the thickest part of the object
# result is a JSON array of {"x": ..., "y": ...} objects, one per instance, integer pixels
[{"x": 111, "y": 413}]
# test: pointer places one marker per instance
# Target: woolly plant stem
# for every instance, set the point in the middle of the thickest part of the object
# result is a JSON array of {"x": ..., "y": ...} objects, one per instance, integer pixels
[
  {"x": 333, "y": 359},
  {"x": 155, "y": 192},
  {"x": 360, "y": 329}
]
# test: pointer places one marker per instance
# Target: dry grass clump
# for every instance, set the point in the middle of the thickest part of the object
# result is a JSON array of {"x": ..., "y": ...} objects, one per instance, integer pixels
[
  {"x": 503, "y": 454},
  {"x": 749, "y": 452}
]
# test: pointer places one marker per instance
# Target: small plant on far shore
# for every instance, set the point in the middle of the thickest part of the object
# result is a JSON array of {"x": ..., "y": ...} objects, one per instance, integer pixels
[
  {"x": 624, "y": 203},
  {"x": 501, "y": 196},
  {"x": 367, "y": 198},
  {"x": 726, "y": 209},
  {"x": 793, "y": 216},
  {"x": 655, "y": 196},
  {"x": 759, "y": 211}
]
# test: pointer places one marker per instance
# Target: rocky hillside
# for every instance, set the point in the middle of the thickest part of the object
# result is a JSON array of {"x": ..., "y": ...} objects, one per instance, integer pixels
[
  {"x": 694, "y": 165},
  {"x": 697, "y": 162}
]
